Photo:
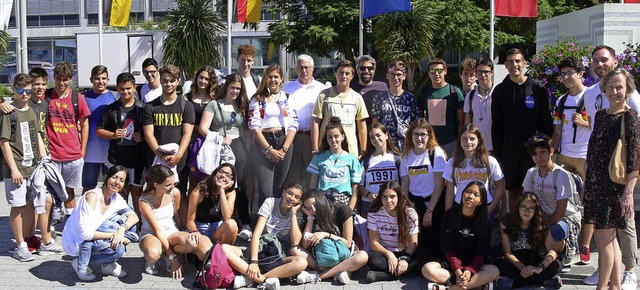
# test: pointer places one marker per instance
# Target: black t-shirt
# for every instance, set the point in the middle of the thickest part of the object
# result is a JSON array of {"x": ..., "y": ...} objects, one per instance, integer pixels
[
  {"x": 125, "y": 151},
  {"x": 341, "y": 213},
  {"x": 167, "y": 120},
  {"x": 462, "y": 238}
]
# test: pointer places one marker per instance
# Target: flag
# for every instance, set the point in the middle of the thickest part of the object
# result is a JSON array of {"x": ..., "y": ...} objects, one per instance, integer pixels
[
  {"x": 116, "y": 12},
  {"x": 377, "y": 7},
  {"x": 516, "y": 8},
  {"x": 249, "y": 10},
  {"x": 5, "y": 13}
]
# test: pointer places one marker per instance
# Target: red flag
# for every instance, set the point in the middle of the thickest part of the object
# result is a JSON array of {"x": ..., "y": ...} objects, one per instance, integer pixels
[{"x": 516, "y": 8}]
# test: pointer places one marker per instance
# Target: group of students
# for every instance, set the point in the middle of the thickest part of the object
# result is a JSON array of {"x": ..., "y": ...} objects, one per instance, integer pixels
[{"x": 425, "y": 213}]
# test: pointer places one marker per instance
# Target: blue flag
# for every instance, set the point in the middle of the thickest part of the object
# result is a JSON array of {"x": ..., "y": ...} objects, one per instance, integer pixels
[{"x": 377, "y": 7}]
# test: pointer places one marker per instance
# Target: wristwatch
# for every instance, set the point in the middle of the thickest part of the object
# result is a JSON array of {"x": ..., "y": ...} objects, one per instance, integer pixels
[{"x": 173, "y": 256}]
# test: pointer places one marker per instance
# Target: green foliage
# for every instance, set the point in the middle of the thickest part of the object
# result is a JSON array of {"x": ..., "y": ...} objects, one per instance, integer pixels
[
  {"x": 193, "y": 36},
  {"x": 629, "y": 59},
  {"x": 5, "y": 91},
  {"x": 544, "y": 64}
]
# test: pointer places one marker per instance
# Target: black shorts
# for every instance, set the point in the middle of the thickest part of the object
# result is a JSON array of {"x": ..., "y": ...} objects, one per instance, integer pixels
[{"x": 515, "y": 170}]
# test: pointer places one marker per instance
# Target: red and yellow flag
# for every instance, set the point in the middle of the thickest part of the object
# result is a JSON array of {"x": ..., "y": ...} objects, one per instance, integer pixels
[{"x": 249, "y": 10}]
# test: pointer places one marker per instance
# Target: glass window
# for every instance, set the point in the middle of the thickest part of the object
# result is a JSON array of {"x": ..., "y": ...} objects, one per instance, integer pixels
[
  {"x": 39, "y": 50},
  {"x": 64, "y": 50},
  {"x": 9, "y": 69},
  {"x": 92, "y": 19},
  {"x": 72, "y": 20},
  {"x": 33, "y": 21},
  {"x": 51, "y": 20},
  {"x": 12, "y": 21}
]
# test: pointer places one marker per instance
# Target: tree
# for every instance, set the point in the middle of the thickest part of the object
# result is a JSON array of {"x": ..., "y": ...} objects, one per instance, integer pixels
[{"x": 193, "y": 36}]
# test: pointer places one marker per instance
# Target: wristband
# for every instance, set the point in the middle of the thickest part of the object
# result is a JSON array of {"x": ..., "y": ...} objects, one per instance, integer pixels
[
  {"x": 310, "y": 218},
  {"x": 253, "y": 262},
  {"x": 266, "y": 151},
  {"x": 404, "y": 258},
  {"x": 367, "y": 195},
  {"x": 541, "y": 265},
  {"x": 429, "y": 210}
]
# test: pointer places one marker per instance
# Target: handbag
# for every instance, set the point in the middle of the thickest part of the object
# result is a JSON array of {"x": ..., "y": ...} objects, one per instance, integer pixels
[
  {"x": 330, "y": 252},
  {"x": 618, "y": 162}
]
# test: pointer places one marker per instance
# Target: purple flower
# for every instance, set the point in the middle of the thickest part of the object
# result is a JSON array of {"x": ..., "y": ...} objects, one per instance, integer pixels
[
  {"x": 555, "y": 69},
  {"x": 559, "y": 54},
  {"x": 548, "y": 71}
]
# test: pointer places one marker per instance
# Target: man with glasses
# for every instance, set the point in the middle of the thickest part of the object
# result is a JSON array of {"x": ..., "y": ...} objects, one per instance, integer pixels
[
  {"x": 477, "y": 103},
  {"x": 303, "y": 93},
  {"x": 519, "y": 109},
  {"x": 558, "y": 197},
  {"x": 365, "y": 85},
  {"x": 151, "y": 90},
  {"x": 603, "y": 61},
  {"x": 441, "y": 104}
]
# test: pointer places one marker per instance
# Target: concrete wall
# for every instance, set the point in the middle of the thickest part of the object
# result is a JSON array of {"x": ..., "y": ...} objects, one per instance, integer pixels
[{"x": 612, "y": 24}]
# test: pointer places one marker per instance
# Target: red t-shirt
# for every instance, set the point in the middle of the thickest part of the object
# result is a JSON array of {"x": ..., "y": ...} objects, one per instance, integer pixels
[{"x": 62, "y": 129}]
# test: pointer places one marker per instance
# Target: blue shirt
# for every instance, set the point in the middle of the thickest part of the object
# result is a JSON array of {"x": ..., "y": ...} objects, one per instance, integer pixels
[
  {"x": 97, "y": 147},
  {"x": 336, "y": 171}
]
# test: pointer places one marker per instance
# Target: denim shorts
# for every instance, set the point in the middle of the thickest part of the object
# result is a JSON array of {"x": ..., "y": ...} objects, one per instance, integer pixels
[{"x": 208, "y": 229}]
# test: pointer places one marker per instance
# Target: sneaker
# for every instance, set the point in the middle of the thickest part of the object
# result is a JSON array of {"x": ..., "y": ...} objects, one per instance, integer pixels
[
  {"x": 629, "y": 280},
  {"x": 33, "y": 243},
  {"x": 585, "y": 256},
  {"x": 504, "y": 282},
  {"x": 308, "y": 277},
  {"x": 51, "y": 248},
  {"x": 375, "y": 276},
  {"x": 593, "y": 279},
  {"x": 241, "y": 281},
  {"x": 343, "y": 278},
  {"x": 554, "y": 282},
  {"x": 566, "y": 269},
  {"x": 84, "y": 276},
  {"x": 22, "y": 254},
  {"x": 245, "y": 233},
  {"x": 272, "y": 283},
  {"x": 150, "y": 268},
  {"x": 113, "y": 269},
  {"x": 488, "y": 286}
]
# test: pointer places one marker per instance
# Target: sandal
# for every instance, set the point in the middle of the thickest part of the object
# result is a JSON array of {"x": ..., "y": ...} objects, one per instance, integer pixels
[
  {"x": 436, "y": 286},
  {"x": 488, "y": 286}
]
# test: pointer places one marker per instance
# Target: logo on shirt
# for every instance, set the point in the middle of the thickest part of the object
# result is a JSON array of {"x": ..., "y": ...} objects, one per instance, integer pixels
[
  {"x": 529, "y": 101},
  {"x": 167, "y": 119},
  {"x": 417, "y": 170}
]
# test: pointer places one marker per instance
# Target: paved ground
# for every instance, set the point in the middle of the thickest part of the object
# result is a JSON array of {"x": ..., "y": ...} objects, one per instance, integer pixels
[{"x": 55, "y": 272}]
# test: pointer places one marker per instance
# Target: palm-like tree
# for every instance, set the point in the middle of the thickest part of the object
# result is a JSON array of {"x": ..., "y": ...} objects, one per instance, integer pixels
[{"x": 193, "y": 36}]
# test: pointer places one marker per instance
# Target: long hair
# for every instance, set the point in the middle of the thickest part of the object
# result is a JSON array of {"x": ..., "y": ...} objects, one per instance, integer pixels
[
  {"x": 334, "y": 123},
  {"x": 432, "y": 143},
  {"x": 208, "y": 186},
  {"x": 537, "y": 232},
  {"x": 324, "y": 211},
  {"x": 156, "y": 174},
  {"x": 263, "y": 89},
  {"x": 371, "y": 149},
  {"x": 401, "y": 210},
  {"x": 481, "y": 215},
  {"x": 115, "y": 169},
  {"x": 213, "y": 82},
  {"x": 480, "y": 158},
  {"x": 241, "y": 101}
]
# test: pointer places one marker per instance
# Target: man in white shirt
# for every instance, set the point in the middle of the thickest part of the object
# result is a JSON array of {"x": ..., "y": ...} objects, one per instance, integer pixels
[
  {"x": 246, "y": 59},
  {"x": 603, "y": 61},
  {"x": 151, "y": 90},
  {"x": 303, "y": 93}
]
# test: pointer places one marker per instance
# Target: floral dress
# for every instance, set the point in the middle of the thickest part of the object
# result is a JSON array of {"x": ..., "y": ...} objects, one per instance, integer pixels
[{"x": 601, "y": 195}]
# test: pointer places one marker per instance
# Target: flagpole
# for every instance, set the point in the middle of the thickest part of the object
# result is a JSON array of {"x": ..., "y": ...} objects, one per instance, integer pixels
[
  {"x": 100, "y": 23},
  {"x": 229, "y": 13},
  {"x": 24, "y": 55},
  {"x": 360, "y": 31},
  {"x": 492, "y": 28}
]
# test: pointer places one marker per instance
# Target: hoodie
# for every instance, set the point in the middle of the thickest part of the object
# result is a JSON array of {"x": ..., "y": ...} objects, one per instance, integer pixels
[{"x": 518, "y": 111}]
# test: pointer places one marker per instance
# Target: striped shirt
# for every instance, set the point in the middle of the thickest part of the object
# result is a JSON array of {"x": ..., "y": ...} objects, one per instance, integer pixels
[{"x": 387, "y": 227}]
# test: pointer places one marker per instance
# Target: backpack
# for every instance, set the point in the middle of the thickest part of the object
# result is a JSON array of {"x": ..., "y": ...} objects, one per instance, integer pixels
[
  {"x": 576, "y": 185},
  {"x": 216, "y": 272},
  {"x": 562, "y": 107}
]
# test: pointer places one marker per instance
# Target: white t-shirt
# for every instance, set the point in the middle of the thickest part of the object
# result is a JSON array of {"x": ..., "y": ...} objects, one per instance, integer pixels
[
  {"x": 277, "y": 223},
  {"x": 469, "y": 173},
  {"x": 595, "y": 99},
  {"x": 387, "y": 227},
  {"x": 577, "y": 149},
  {"x": 302, "y": 98},
  {"x": 250, "y": 86},
  {"x": 481, "y": 109},
  {"x": 149, "y": 94},
  {"x": 420, "y": 171},
  {"x": 382, "y": 168},
  {"x": 549, "y": 193}
]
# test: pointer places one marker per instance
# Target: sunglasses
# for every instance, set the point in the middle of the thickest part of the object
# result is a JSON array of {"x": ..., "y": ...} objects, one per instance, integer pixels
[
  {"x": 433, "y": 71},
  {"x": 24, "y": 91},
  {"x": 367, "y": 68},
  {"x": 233, "y": 117}
]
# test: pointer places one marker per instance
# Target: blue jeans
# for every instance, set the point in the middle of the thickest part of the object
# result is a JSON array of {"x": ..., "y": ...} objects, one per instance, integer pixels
[{"x": 100, "y": 252}]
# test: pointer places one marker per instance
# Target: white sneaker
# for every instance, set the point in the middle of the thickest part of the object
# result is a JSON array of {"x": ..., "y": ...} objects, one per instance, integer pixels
[
  {"x": 593, "y": 279},
  {"x": 308, "y": 277},
  {"x": 245, "y": 233},
  {"x": 343, "y": 278},
  {"x": 150, "y": 268},
  {"x": 241, "y": 281},
  {"x": 629, "y": 280},
  {"x": 272, "y": 284},
  {"x": 49, "y": 249},
  {"x": 113, "y": 269},
  {"x": 84, "y": 276}
]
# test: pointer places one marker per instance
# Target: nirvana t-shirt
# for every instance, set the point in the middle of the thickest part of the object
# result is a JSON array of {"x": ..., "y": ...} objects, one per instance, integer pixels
[
  {"x": 387, "y": 227},
  {"x": 167, "y": 120},
  {"x": 277, "y": 223},
  {"x": 420, "y": 171},
  {"x": 23, "y": 140},
  {"x": 463, "y": 176}
]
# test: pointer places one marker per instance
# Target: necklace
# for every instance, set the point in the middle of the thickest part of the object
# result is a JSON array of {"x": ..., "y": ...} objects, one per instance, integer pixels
[{"x": 336, "y": 156}]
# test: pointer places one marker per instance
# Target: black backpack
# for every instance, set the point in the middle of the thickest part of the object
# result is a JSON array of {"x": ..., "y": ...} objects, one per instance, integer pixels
[{"x": 562, "y": 107}]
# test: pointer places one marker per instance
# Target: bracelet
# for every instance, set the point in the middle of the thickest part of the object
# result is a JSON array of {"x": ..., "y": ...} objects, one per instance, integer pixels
[
  {"x": 429, "y": 210},
  {"x": 253, "y": 262},
  {"x": 541, "y": 265},
  {"x": 367, "y": 195},
  {"x": 404, "y": 258},
  {"x": 310, "y": 218},
  {"x": 329, "y": 235},
  {"x": 266, "y": 151}
]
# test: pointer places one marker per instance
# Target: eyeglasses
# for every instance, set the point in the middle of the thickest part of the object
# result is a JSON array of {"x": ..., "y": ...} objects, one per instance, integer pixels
[
  {"x": 483, "y": 72},
  {"x": 149, "y": 72},
  {"x": 397, "y": 76},
  {"x": 368, "y": 68},
  {"x": 227, "y": 174},
  {"x": 434, "y": 71},
  {"x": 233, "y": 117},
  {"x": 566, "y": 74},
  {"x": 538, "y": 138},
  {"x": 420, "y": 135},
  {"x": 24, "y": 91},
  {"x": 528, "y": 209}
]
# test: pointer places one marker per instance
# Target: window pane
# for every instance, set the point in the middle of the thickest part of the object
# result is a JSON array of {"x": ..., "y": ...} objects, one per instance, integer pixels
[
  {"x": 33, "y": 21},
  {"x": 92, "y": 19},
  {"x": 39, "y": 50},
  {"x": 72, "y": 20},
  {"x": 51, "y": 20},
  {"x": 64, "y": 50}
]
